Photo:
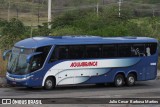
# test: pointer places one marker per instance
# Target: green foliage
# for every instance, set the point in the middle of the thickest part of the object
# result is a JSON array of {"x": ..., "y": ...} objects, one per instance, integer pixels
[
  {"x": 107, "y": 23},
  {"x": 42, "y": 30},
  {"x": 81, "y": 22},
  {"x": 149, "y": 26},
  {"x": 13, "y": 28},
  {"x": 2, "y": 22},
  {"x": 148, "y": 1},
  {"x": 12, "y": 31},
  {"x": 69, "y": 18},
  {"x": 67, "y": 31}
]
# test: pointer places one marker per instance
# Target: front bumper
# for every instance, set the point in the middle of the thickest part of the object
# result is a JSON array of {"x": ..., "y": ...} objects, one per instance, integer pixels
[
  {"x": 18, "y": 80},
  {"x": 15, "y": 83}
]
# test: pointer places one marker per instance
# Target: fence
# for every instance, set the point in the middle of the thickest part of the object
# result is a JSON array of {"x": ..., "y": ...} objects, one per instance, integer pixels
[{"x": 34, "y": 12}]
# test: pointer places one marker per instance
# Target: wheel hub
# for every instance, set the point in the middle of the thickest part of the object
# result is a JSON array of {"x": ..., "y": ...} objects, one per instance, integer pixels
[
  {"x": 49, "y": 83},
  {"x": 131, "y": 80},
  {"x": 119, "y": 81}
]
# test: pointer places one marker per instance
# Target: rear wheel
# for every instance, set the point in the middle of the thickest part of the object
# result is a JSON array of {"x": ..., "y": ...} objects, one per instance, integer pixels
[
  {"x": 119, "y": 80},
  {"x": 131, "y": 80},
  {"x": 49, "y": 83}
]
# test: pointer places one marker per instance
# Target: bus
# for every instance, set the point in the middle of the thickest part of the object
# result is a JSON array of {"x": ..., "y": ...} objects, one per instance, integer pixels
[{"x": 68, "y": 60}]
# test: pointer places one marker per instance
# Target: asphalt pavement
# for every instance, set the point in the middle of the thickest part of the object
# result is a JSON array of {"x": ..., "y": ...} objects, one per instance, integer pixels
[
  {"x": 143, "y": 89},
  {"x": 146, "y": 89}
]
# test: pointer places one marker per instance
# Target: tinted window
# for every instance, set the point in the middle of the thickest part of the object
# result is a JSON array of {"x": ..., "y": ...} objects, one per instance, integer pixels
[
  {"x": 54, "y": 55},
  {"x": 102, "y": 51},
  {"x": 45, "y": 50},
  {"x": 59, "y": 53},
  {"x": 22, "y": 50},
  {"x": 109, "y": 51},
  {"x": 62, "y": 52},
  {"x": 38, "y": 60},
  {"x": 138, "y": 50},
  {"x": 76, "y": 52},
  {"x": 93, "y": 51},
  {"x": 124, "y": 50},
  {"x": 150, "y": 48}
]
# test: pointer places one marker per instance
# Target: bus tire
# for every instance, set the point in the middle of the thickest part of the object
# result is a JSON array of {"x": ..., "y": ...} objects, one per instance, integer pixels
[
  {"x": 119, "y": 80},
  {"x": 130, "y": 81},
  {"x": 49, "y": 83}
]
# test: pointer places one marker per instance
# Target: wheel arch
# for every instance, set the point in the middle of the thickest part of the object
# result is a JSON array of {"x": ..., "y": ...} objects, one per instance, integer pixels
[
  {"x": 120, "y": 72},
  {"x": 122, "y": 77},
  {"x": 44, "y": 79},
  {"x": 133, "y": 72}
]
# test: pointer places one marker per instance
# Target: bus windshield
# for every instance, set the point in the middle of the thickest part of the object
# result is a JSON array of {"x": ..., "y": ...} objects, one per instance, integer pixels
[
  {"x": 17, "y": 62},
  {"x": 18, "y": 65}
]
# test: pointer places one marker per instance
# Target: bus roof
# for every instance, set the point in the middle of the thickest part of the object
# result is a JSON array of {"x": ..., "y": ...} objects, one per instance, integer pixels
[{"x": 68, "y": 40}]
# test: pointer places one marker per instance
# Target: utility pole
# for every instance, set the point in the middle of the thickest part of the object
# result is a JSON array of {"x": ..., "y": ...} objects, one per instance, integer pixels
[
  {"x": 103, "y": 2},
  {"x": 9, "y": 3},
  {"x": 17, "y": 12},
  {"x": 153, "y": 13},
  {"x": 120, "y": 2},
  {"x": 38, "y": 11},
  {"x": 32, "y": 21},
  {"x": 97, "y": 9},
  {"x": 49, "y": 13}
]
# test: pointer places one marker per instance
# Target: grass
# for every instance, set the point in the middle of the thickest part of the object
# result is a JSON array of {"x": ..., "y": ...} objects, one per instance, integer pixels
[{"x": 27, "y": 18}]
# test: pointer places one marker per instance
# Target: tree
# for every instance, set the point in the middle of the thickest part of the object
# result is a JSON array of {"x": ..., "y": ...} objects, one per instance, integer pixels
[
  {"x": 11, "y": 32},
  {"x": 14, "y": 28},
  {"x": 42, "y": 30}
]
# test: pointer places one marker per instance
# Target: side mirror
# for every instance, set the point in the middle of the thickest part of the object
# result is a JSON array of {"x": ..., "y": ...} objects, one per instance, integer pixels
[
  {"x": 5, "y": 53},
  {"x": 31, "y": 55}
]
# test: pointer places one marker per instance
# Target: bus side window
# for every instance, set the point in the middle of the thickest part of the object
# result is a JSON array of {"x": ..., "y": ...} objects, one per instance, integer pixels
[
  {"x": 76, "y": 52},
  {"x": 150, "y": 48},
  {"x": 109, "y": 51},
  {"x": 45, "y": 50},
  {"x": 59, "y": 53},
  {"x": 54, "y": 55},
  {"x": 93, "y": 51},
  {"x": 139, "y": 50},
  {"x": 62, "y": 52},
  {"x": 124, "y": 50},
  {"x": 38, "y": 60}
]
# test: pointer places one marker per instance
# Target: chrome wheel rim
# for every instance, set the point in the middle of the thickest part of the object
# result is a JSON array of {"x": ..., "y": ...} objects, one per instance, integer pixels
[
  {"x": 119, "y": 81},
  {"x": 49, "y": 83},
  {"x": 131, "y": 80}
]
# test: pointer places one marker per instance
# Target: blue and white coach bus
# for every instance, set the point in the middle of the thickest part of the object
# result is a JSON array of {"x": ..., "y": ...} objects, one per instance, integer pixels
[{"x": 51, "y": 61}]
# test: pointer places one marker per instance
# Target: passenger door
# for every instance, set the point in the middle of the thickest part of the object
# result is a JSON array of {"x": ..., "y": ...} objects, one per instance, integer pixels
[
  {"x": 76, "y": 54},
  {"x": 63, "y": 74}
]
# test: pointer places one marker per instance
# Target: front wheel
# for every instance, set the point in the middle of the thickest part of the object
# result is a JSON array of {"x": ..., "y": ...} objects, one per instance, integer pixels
[
  {"x": 49, "y": 83},
  {"x": 119, "y": 80},
  {"x": 131, "y": 80}
]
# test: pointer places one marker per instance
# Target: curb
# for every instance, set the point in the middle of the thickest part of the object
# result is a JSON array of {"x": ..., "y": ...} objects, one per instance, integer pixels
[
  {"x": 4, "y": 86},
  {"x": 3, "y": 82}
]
